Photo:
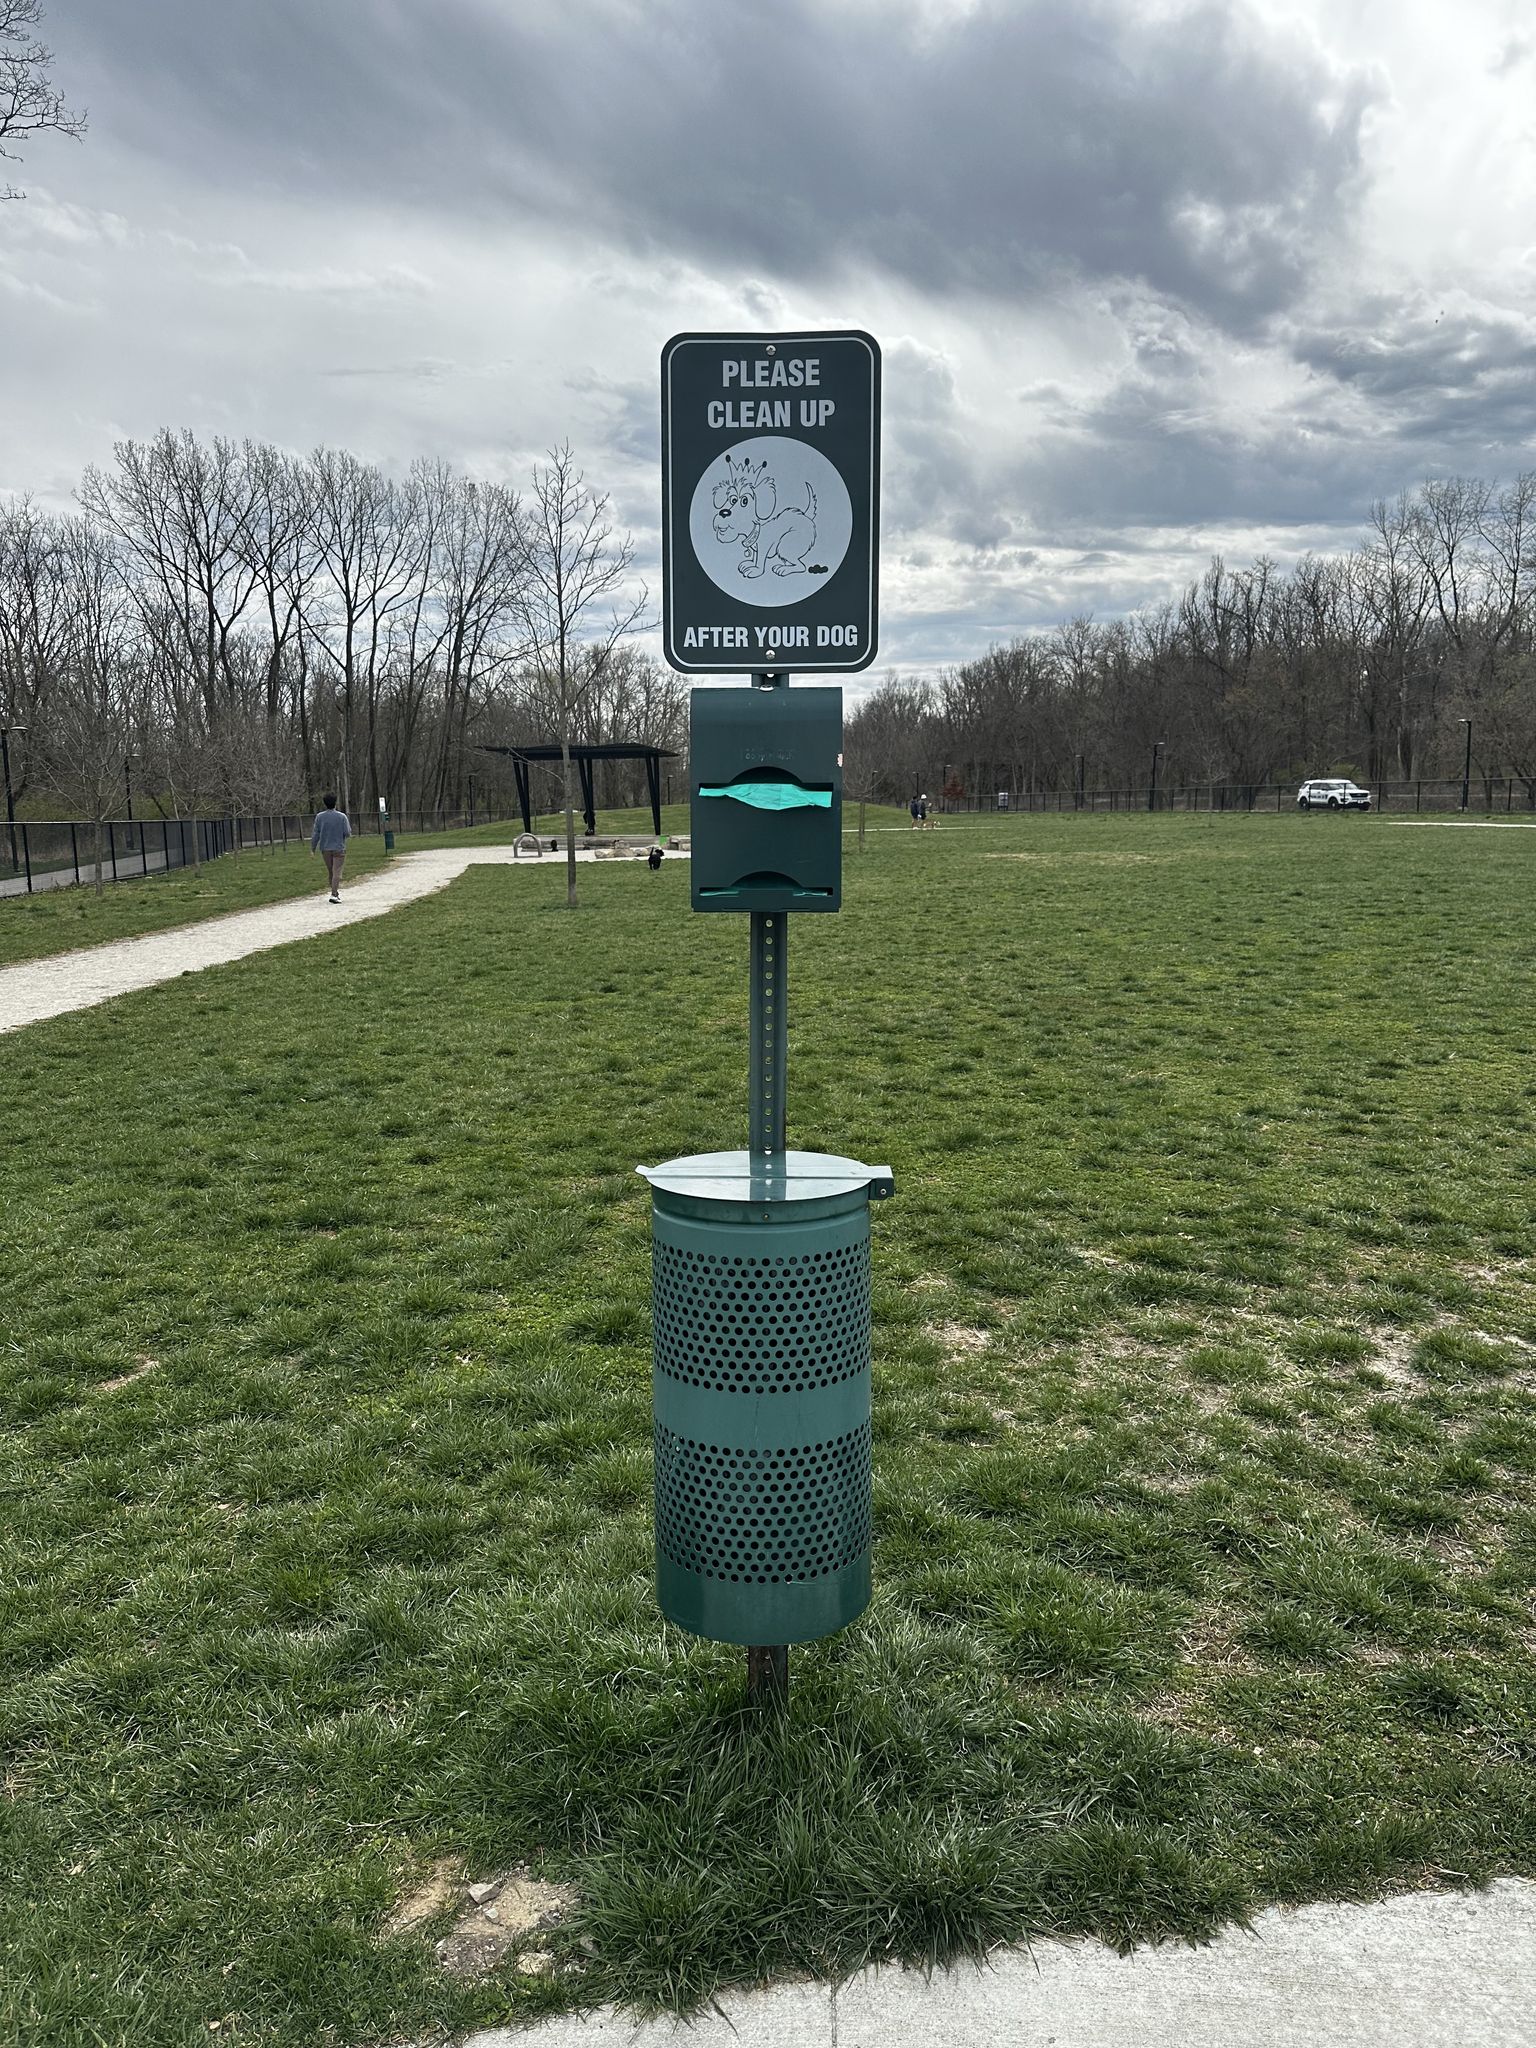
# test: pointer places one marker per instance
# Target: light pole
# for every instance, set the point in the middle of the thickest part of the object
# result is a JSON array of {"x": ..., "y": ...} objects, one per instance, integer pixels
[
  {"x": 1157, "y": 747},
  {"x": 10, "y": 806},
  {"x": 1466, "y": 766}
]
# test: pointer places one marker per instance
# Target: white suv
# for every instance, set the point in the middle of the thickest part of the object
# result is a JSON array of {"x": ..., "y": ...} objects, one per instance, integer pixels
[{"x": 1334, "y": 796}]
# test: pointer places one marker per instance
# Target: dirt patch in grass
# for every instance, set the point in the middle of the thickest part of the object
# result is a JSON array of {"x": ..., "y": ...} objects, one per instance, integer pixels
[
  {"x": 962, "y": 1340},
  {"x": 505, "y": 1916},
  {"x": 1495, "y": 1275},
  {"x": 433, "y": 1893},
  {"x": 144, "y": 1367},
  {"x": 1392, "y": 1357}
]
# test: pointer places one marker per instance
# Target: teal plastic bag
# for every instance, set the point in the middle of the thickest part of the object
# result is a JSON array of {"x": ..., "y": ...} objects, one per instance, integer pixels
[{"x": 773, "y": 796}]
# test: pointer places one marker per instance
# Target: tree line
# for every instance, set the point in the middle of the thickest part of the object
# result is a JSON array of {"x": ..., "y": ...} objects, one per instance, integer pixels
[
  {"x": 231, "y": 628},
  {"x": 1360, "y": 663}
]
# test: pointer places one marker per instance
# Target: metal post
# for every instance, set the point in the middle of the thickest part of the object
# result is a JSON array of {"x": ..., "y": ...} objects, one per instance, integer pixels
[
  {"x": 1152, "y": 785},
  {"x": 767, "y": 1059},
  {"x": 1466, "y": 769},
  {"x": 769, "y": 993},
  {"x": 767, "y": 1674}
]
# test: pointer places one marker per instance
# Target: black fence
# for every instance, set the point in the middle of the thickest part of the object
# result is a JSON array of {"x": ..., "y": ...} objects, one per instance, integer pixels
[
  {"x": 444, "y": 820},
  {"x": 1486, "y": 796},
  {"x": 38, "y": 854}
]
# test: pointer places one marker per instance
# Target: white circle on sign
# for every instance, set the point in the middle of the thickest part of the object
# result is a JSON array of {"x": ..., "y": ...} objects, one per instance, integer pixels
[{"x": 770, "y": 520}]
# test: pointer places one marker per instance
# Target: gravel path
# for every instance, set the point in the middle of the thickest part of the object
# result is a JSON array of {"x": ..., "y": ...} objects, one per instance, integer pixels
[{"x": 35, "y": 989}]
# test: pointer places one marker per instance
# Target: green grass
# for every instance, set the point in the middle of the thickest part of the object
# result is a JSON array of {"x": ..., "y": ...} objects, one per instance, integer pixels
[
  {"x": 549, "y": 825},
  {"x": 674, "y": 821},
  {"x": 59, "y": 920},
  {"x": 1205, "y": 1367}
]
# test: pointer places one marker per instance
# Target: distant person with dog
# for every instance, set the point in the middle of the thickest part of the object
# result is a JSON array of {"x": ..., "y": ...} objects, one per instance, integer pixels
[
  {"x": 329, "y": 838},
  {"x": 916, "y": 808}
]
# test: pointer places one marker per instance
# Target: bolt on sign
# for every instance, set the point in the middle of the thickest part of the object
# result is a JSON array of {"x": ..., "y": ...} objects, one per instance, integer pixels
[{"x": 770, "y": 463}]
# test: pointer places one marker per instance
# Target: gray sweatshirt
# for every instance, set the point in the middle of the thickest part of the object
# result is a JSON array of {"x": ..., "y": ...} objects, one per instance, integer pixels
[{"x": 332, "y": 831}]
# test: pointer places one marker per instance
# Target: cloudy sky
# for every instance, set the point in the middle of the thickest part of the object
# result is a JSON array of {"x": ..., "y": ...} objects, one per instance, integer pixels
[{"x": 1152, "y": 281}]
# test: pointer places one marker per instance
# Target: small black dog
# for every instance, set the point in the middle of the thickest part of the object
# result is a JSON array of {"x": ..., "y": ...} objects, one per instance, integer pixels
[{"x": 653, "y": 859}]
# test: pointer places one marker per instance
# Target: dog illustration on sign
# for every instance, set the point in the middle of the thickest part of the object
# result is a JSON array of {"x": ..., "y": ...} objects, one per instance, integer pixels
[{"x": 747, "y": 510}]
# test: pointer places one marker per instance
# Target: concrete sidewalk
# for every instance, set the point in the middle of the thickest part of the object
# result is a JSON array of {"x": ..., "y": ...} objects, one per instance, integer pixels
[
  {"x": 1430, "y": 1970},
  {"x": 35, "y": 989}
]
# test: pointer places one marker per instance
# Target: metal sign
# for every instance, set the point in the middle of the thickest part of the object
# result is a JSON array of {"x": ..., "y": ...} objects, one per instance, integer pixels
[{"x": 770, "y": 465}]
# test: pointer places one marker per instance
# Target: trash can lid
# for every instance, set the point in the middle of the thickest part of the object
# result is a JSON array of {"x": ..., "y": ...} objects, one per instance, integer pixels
[{"x": 748, "y": 1177}]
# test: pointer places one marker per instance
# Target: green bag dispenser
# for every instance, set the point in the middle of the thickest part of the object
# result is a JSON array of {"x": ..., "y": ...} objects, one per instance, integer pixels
[
  {"x": 761, "y": 1389},
  {"x": 766, "y": 813}
]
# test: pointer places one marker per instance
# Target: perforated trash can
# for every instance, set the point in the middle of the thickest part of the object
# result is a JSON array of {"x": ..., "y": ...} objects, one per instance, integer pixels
[{"x": 761, "y": 1390}]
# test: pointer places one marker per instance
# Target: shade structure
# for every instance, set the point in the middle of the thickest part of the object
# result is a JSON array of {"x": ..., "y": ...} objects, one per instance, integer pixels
[{"x": 584, "y": 755}]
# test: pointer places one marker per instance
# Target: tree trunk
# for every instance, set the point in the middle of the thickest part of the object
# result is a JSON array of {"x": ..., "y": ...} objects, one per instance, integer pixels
[
  {"x": 98, "y": 856},
  {"x": 861, "y": 824},
  {"x": 303, "y": 710}
]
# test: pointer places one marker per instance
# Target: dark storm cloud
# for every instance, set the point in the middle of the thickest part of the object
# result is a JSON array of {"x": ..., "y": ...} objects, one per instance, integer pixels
[
  {"x": 1019, "y": 144},
  {"x": 931, "y": 480},
  {"x": 1449, "y": 377}
]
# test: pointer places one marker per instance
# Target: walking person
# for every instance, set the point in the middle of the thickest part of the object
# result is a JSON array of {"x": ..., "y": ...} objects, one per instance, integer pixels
[
  {"x": 916, "y": 808},
  {"x": 332, "y": 830}
]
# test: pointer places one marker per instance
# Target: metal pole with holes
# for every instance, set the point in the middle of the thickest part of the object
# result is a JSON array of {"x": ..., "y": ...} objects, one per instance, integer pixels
[{"x": 769, "y": 1001}]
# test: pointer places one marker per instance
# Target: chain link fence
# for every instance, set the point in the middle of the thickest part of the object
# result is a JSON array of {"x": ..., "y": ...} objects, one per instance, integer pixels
[
  {"x": 60, "y": 853},
  {"x": 55, "y": 853}
]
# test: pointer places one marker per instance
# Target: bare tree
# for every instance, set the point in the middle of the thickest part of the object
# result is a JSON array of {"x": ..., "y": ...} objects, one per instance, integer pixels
[
  {"x": 257, "y": 765},
  {"x": 35, "y": 613},
  {"x": 871, "y": 768},
  {"x": 372, "y": 539},
  {"x": 480, "y": 562},
  {"x": 29, "y": 102},
  {"x": 86, "y": 742},
  {"x": 182, "y": 511},
  {"x": 575, "y": 565},
  {"x": 275, "y": 542}
]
